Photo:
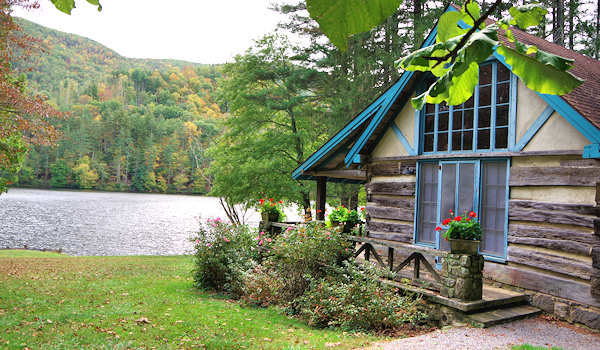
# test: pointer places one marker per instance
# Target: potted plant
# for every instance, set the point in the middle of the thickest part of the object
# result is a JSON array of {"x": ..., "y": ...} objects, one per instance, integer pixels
[
  {"x": 270, "y": 210},
  {"x": 344, "y": 217},
  {"x": 338, "y": 215},
  {"x": 463, "y": 233}
]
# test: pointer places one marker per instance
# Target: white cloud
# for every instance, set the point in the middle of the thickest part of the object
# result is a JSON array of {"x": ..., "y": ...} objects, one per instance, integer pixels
[{"x": 204, "y": 31}]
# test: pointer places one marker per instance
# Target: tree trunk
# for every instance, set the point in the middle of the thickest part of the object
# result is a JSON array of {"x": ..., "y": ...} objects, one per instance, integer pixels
[
  {"x": 417, "y": 15},
  {"x": 573, "y": 7},
  {"x": 306, "y": 205},
  {"x": 597, "y": 42},
  {"x": 558, "y": 23}
]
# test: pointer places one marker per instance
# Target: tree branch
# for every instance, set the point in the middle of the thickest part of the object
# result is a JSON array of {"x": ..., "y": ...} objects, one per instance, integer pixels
[{"x": 466, "y": 37}]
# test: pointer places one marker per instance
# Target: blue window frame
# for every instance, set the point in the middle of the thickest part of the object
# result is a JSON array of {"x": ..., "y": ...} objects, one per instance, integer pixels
[
  {"x": 463, "y": 185},
  {"x": 479, "y": 124}
]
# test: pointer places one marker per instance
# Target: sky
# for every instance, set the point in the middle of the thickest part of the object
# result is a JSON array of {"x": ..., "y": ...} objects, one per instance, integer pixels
[{"x": 202, "y": 31}]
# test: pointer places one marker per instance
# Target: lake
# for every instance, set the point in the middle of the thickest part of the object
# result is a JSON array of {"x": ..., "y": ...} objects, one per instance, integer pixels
[{"x": 105, "y": 223}]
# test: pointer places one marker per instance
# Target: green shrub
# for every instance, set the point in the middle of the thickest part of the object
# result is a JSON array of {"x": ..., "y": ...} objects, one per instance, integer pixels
[
  {"x": 305, "y": 253},
  {"x": 224, "y": 253},
  {"x": 353, "y": 298}
]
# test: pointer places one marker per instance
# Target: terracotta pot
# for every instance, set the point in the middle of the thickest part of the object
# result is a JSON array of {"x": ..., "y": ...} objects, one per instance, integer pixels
[{"x": 464, "y": 246}]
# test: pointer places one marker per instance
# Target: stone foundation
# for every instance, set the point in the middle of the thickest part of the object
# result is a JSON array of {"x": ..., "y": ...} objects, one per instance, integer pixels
[{"x": 461, "y": 276}]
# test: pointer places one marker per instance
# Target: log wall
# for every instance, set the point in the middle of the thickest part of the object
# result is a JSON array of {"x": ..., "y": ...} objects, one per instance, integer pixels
[{"x": 553, "y": 233}]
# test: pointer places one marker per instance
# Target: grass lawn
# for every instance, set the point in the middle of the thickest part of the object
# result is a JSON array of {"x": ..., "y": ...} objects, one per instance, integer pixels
[{"x": 61, "y": 302}]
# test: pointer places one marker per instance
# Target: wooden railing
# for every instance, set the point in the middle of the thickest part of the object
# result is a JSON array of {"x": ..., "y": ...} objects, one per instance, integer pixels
[{"x": 416, "y": 257}]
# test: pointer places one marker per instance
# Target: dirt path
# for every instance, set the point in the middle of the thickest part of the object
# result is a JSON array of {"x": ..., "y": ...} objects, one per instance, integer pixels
[{"x": 537, "y": 331}]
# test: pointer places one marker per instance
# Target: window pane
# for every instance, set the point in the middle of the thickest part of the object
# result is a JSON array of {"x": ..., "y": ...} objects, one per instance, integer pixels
[
  {"x": 503, "y": 73},
  {"x": 469, "y": 103},
  {"x": 429, "y": 123},
  {"x": 443, "y": 122},
  {"x": 466, "y": 188},
  {"x": 502, "y": 137},
  {"x": 448, "y": 194},
  {"x": 485, "y": 96},
  {"x": 502, "y": 116},
  {"x": 428, "y": 183},
  {"x": 468, "y": 119},
  {"x": 457, "y": 120},
  {"x": 456, "y": 141},
  {"x": 493, "y": 207},
  {"x": 428, "y": 143},
  {"x": 502, "y": 92},
  {"x": 483, "y": 139},
  {"x": 442, "y": 142},
  {"x": 484, "y": 117},
  {"x": 429, "y": 108},
  {"x": 468, "y": 140},
  {"x": 485, "y": 74}
]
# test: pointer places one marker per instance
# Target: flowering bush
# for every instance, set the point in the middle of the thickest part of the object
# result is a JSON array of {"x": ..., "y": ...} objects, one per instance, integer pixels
[
  {"x": 223, "y": 255},
  {"x": 462, "y": 227},
  {"x": 305, "y": 252},
  {"x": 353, "y": 298},
  {"x": 272, "y": 208}
]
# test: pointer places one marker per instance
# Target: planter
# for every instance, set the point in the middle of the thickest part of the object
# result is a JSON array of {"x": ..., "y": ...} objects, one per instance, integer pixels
[
  {"x": 463, "y": 246},
  {"x": 270, "y": 217}
]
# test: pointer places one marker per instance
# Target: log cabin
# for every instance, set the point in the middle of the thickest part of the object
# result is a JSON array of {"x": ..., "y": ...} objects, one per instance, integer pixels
[{"x": 528, "y": 163}]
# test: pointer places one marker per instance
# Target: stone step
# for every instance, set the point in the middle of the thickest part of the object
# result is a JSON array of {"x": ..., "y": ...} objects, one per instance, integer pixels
[{"x": 493, "y": 317}]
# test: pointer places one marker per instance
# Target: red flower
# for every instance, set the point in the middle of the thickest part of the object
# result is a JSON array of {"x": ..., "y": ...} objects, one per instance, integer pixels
[
  {"x": 261, "y": 201},
  {"x": 458, "y": 218},
  {"x": 271, "y": 199},
  {"x": 472, "y": 214},
  {"x": 280, "y": 202},
  {"x": 446, "y": 222},
  {"x": 362, "y": 209},
  {"x": 438, "y": 228},
  {"x": 468, "y": 219}
]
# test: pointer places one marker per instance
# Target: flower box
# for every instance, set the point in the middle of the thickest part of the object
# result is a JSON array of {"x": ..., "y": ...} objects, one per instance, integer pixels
[{"x": 464, "y": 246}]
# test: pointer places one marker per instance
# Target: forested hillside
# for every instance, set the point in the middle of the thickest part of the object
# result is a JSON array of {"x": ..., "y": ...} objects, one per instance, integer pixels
[{"x": 130, "y": 124}]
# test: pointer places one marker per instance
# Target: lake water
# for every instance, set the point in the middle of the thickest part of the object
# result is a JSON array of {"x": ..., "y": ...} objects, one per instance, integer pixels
[{"x": 104, "y": 223}]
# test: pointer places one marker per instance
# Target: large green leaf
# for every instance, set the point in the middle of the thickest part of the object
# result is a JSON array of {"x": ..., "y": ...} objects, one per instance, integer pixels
[
  {"x": 448, "y": 26},
  {"x": 340, "y": 19},
  {"x": 544, "y": 78},
  {"x": 67, "y": 5},
  {"x": 527, "y": 15}
]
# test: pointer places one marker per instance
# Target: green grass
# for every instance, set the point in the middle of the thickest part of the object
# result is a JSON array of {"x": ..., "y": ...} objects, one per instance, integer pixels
[
  {"x": 531, "y": 347},
  {"x": 136, "y": 302},
  {"x": 19, "y": 253}
]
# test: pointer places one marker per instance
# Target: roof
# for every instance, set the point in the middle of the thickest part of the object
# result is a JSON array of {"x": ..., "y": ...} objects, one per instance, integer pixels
[
  {"x": 585, "y": 99},
  {"x": 362, "y": 133}
]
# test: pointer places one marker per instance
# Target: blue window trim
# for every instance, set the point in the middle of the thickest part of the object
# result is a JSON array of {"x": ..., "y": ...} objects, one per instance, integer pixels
[
  {"x": 512, "y": 117},
  {"x": 591, "y": 151},
  {"x": 477, "y": 199}
]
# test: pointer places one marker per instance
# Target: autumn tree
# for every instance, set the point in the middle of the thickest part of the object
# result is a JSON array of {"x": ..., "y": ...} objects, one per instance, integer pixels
[{"x": 25, "y": 119}]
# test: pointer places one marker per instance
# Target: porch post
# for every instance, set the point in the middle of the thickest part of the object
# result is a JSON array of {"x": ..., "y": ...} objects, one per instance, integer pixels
[{"x": 321, "y": 197}]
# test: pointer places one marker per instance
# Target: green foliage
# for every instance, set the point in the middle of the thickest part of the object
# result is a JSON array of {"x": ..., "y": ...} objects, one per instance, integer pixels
[
  {"x": 271, "y": 207},
  {"x": 67, "y": 5},
  {"x": 304, "y": 253},
  {"x": 60, "y": 174},
  {"x": 344, "y": 215},
  {"x": 353, "y": 298},
  {"x": 224, "y": 253},
  {"x": 456, "y": 56},
  {"x": 462, "y": 227},
  {"x": 12, "y": 154},
  {"x": 274, "y": 125},
  {"x": 340, "y": 19}
]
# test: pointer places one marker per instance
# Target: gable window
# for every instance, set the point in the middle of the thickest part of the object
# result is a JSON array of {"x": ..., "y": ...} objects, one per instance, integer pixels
[
  {"x": 479, "y": 124},
  {"x": 462, "y": 186}
]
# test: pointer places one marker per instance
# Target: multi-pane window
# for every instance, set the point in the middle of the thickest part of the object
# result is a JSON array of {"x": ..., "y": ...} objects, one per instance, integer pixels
[
  {"x": 479, "y": 124},
  {"x": 462, "y": 186}
]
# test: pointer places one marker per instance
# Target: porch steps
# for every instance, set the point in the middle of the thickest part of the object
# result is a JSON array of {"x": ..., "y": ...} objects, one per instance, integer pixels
[
  {"x": 493, "y": 317},
  {"x": 497, "y": 305}
]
